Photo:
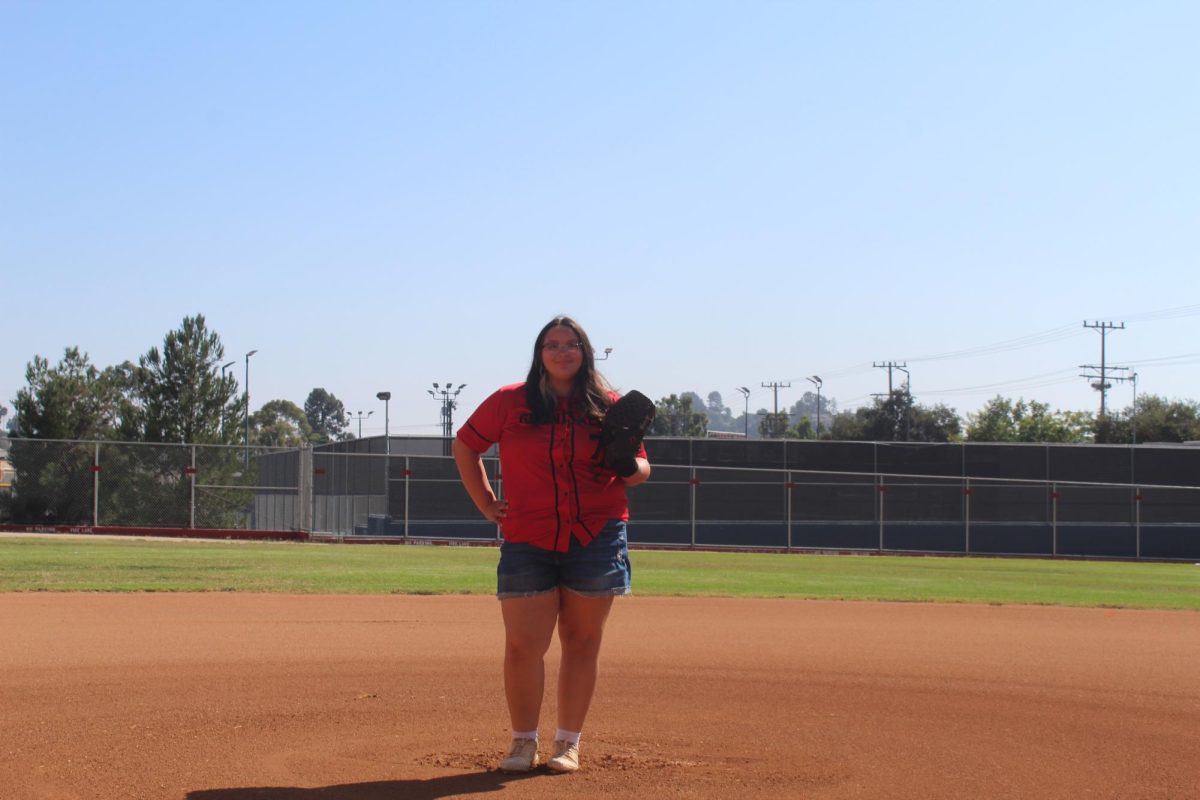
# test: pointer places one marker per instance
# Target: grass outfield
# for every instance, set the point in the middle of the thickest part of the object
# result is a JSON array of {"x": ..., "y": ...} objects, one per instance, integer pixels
[{"x": 62, "y": 564}]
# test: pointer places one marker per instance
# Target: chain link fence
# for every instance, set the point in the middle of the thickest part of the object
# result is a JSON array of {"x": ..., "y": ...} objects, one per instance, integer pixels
[
  {"x": 136, "y": 485},
  {"x": 352, "y": 495}
]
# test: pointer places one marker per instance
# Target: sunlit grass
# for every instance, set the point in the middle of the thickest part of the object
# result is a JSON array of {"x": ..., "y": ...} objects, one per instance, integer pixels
[{"x": 137, "y": 565}]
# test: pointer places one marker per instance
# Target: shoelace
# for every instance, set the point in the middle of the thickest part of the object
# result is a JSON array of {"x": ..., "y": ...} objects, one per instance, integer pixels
[{"x": 522, "y": 747}]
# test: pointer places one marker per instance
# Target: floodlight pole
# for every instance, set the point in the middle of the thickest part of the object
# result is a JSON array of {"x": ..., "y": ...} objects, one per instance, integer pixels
[
  {"x": 224, "y": 367},
  {"x": 359, "y": 416},
  {"x": 1133, "y": 377},
  {"x": 815, "y": 380},
  {"x": 447, "y": 394},
  {"x": 246, "y": 459},
  {"x": 907, "y": 402},
  {"x": 745, "y": 391},
  {"x": 387, "y": 459}
]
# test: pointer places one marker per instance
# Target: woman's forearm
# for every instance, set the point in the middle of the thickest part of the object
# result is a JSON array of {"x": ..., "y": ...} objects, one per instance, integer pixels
[{"x": 475, "y": 481}]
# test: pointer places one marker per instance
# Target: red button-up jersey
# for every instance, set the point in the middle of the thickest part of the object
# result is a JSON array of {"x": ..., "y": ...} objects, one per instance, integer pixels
[{"x": 554, "y": 487}]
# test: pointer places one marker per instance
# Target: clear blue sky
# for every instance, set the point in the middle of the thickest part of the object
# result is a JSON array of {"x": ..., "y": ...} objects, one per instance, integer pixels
[{"x": 383, "y": 195}]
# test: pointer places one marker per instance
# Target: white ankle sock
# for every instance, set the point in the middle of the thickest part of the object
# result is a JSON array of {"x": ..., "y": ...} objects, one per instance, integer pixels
[
  {"x": 571, "y": 737},
  {"x": 525, "y": 735}
]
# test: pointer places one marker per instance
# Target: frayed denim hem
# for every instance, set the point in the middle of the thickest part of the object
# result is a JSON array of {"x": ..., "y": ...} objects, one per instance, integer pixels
[
  {"x": 620, "y": 591},
  {"x": 516, "y": 595}
]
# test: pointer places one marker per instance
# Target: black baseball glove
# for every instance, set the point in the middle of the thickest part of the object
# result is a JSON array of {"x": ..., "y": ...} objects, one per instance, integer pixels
[{"x": 625, "y": 423}]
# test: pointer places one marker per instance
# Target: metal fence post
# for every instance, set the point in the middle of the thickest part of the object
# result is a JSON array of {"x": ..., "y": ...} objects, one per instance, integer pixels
[
  {"x": 407, "y": 482},
  {"x": 692, "y": 485},
  {"x": 1054, "y": 518},
  {"x": 967, "y": 512},
  {"x": 1137, "y": 519},
  {"x": 881, "y": 488},
  {"x": 787, "y": 488},
  {"x": 96, "y": 487},
  {"x": 305, "y": 494},
  {"x": 192, "y": 501}
]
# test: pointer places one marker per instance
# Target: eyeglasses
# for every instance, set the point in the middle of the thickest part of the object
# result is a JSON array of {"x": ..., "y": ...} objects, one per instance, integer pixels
[{"x": 562, "y": 347}]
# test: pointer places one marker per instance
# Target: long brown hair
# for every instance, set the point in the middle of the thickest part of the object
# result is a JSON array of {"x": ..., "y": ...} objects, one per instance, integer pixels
[{"x": 590, "y": 393}]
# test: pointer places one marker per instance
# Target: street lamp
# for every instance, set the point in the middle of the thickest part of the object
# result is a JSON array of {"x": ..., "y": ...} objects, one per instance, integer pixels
[
  {"x": 815, "y": 380},
  {"x": 224, "y": 367},
  {"x": 360, "y": 416},
  {"x": 907, "y": 402},
  {"x": 247, "y": 442},
  {"x": 746, "y": 416},
  {"x": 607, "y": 352},
  {"x": 387, "y": 459},
  {"x": 1133, "y": 377},
  {"x": 385, "y": 397}
]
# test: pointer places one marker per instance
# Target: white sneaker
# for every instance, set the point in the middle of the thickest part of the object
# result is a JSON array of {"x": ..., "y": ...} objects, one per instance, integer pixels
[
  {"x": 566, "y": 757},
  {"x": 522, "y": 757}
]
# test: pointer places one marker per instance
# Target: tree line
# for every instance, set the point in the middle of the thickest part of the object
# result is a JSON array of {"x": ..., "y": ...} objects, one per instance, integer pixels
[
  {"x": 176, "y": 393},
  {"x": 173, "y": 394},
  {"x": 898, "y": 417}
]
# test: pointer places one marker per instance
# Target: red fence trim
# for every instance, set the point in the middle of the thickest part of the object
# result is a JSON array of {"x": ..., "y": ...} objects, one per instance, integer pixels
[{"x": 177, "y": 533}]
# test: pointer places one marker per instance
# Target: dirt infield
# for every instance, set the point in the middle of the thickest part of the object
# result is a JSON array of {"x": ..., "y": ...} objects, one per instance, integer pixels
[{"x": 234, "y": 696}]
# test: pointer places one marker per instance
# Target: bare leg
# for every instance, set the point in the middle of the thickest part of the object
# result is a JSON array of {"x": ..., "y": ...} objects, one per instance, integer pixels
[
  {"x": 580, "y": 629},
  {"x": 528, "y": 628}
]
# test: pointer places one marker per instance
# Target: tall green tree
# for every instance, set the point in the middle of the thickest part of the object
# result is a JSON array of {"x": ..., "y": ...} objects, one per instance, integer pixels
[
  {"x": 1155, "y": 419},
  {"x": 897, "y": 418},
  {"x": 674, "y": 416},
  {"x": 182, "y": 395},
  {"x": 1005, "y": 420},
  {"x": 280, "y": 423},
  {"x": 772, "y": 425},
  {"x": 71, "y": 400},
  {"x": 938, "y": 423},
  {"x": 806, "y": 406},
  {"x": 720, "y": 417},
  {"x": 326, "y": 417},
  {"x": 801, "y": 430}
]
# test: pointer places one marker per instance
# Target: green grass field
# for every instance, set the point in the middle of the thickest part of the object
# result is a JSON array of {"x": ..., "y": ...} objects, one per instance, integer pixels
[{"x": 115, "y": 565}]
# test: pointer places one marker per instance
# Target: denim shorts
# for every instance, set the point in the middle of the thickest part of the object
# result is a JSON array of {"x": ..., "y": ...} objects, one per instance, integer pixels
[{"x": 599, "y": 569}]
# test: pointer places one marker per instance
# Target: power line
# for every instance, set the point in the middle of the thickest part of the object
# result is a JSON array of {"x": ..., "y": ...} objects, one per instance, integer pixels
[{"x": 1021, "y": 342}]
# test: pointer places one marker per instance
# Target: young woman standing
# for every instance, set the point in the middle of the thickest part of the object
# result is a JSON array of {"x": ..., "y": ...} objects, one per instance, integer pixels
[{"x": 565, "y": 554}]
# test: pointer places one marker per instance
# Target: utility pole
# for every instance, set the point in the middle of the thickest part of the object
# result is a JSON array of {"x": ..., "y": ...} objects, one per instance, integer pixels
[
  {"x": 903, "y": 367},
  {"x": 1103, "y": 385},
  {"x": 889, "y": 366},
  {"x": 775, "y": 387}
]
